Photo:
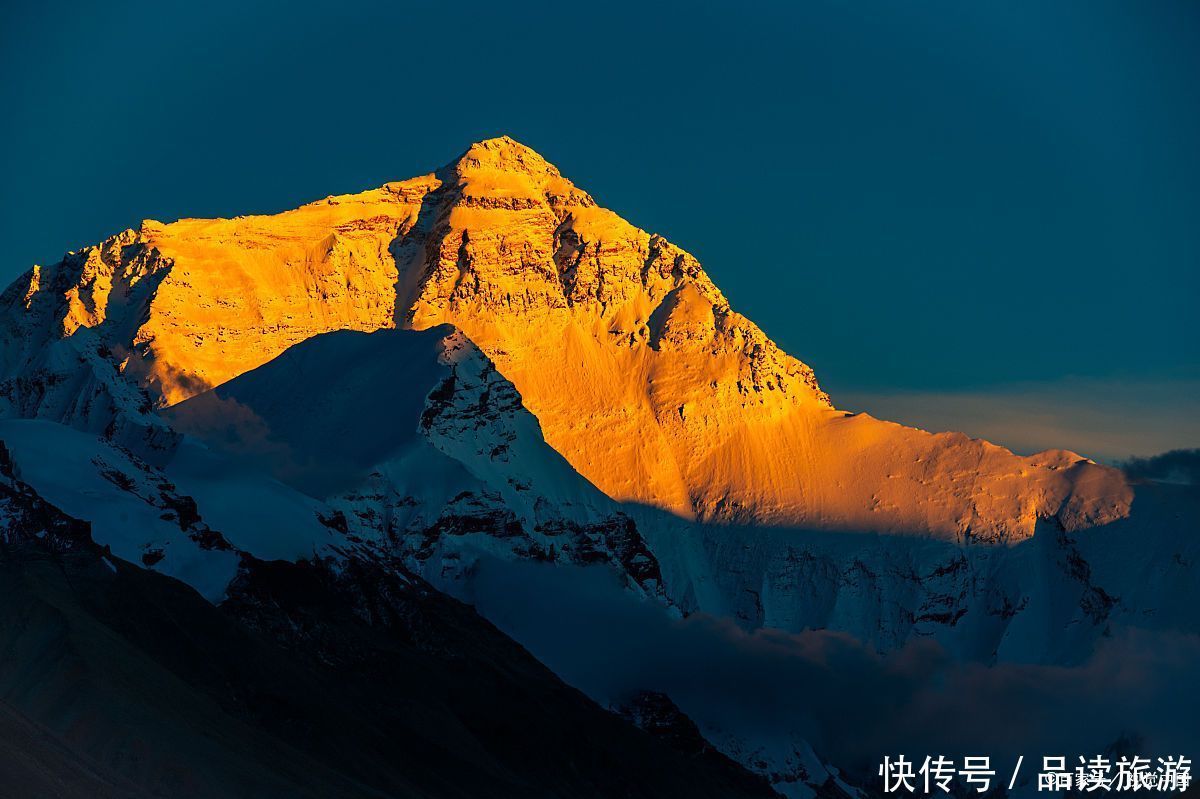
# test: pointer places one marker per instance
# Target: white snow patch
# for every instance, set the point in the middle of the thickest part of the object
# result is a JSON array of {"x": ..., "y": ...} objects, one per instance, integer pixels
[{"x": 66, "y": 467}]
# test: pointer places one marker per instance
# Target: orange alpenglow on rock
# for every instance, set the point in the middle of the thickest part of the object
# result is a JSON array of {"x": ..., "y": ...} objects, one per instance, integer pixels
[{"x": 632, "y": 360}]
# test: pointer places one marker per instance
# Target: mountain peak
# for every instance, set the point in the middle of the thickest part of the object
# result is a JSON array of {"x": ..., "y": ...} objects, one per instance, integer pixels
[
  {"x": 636, "y": 367},
  {"x": 504, "y": 154},
  {"x": 504, "y": 142}
]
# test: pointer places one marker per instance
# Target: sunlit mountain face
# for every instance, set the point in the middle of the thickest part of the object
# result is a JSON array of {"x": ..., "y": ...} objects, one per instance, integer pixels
[
  {"x": 638, "y": 370},
  {"x": 314, "y": 441}
]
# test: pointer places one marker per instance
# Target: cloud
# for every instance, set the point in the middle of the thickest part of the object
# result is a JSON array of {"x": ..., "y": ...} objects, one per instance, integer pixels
[
  {"x": 1176, "y": 466},
  {"x": 851, "y": 703},
  {"x": 1106, "y": 420}
]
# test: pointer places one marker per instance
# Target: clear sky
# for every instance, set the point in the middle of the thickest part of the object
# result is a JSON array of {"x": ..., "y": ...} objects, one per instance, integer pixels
[{"x": 982, "y": 215}]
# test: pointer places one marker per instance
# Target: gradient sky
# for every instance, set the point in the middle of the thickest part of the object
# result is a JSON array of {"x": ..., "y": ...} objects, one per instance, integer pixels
[{"x": 952, "y": 211}]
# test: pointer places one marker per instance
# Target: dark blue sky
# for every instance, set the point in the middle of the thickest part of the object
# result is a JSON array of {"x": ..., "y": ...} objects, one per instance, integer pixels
[{"x": 937, "y": 197}]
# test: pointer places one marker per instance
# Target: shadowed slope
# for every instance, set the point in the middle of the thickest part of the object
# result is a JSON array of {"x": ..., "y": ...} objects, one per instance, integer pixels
[
  {"x": 304, "y": 683},
  {"x": 420, "y": 448},
  {"x": 325, "y": 411}
]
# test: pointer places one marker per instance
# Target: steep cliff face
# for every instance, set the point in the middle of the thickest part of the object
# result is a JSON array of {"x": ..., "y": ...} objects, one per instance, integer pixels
[
  {"x": 659, "y": 393},
  {"x": 638, "y": 370}
]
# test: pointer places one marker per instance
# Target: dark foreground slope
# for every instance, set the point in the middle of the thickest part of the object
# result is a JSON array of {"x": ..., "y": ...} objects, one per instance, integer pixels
[{"x": 117, "y": 681}]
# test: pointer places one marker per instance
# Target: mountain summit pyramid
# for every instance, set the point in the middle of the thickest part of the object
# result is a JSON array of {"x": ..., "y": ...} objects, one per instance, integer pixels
[{"x": 638, "y": 370}]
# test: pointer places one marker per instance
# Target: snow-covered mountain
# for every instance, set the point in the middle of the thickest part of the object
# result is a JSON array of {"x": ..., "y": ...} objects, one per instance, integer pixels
[
  {"x": 639, "y": 372},
  {"x": 419, "y": 449},
  {"x": 481, "y": 365}
]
